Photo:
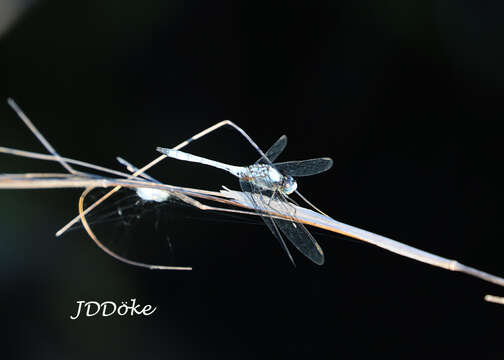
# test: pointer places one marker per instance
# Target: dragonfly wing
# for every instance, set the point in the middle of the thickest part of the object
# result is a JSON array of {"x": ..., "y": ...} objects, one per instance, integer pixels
[
  {"x": 249, "y": 189},
  {"x": 297, "y": 233},
  {"x": 304, "y": 167},
  {"x": 275, "y": 150}
]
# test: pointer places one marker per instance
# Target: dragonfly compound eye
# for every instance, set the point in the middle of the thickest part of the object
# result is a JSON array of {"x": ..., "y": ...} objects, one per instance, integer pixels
[{"x": 289, "y": 185}]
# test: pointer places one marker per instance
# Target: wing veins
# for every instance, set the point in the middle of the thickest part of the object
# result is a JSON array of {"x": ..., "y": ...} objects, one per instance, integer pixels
[
  {"x": 275, "y": 150},
  {"x": 298, "y": 235},
  {"x": 249, "y": 189},
  {"x": 304, "y": 167}
]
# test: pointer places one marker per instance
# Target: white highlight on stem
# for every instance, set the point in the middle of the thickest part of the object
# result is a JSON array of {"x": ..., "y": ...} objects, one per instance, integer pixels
[{"x": 156, "y": 195}]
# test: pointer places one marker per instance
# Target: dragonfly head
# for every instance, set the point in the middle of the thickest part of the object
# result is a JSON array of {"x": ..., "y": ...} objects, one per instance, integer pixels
[{"x": 288, "y": 185}]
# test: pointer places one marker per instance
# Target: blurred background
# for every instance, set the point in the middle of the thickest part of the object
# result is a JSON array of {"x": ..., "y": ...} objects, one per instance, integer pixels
[{"x": 405, "y": 96}]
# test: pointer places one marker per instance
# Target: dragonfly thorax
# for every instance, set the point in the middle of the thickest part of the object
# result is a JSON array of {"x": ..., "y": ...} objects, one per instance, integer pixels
[{"x": 267, "y": 177}]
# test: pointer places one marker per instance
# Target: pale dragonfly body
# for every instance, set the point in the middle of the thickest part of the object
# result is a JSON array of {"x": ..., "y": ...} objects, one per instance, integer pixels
[{"x": 267, "y": 186}]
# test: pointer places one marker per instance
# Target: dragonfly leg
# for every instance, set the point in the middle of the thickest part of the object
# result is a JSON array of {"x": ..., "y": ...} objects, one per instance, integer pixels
[{"x": 271, "y": 198}]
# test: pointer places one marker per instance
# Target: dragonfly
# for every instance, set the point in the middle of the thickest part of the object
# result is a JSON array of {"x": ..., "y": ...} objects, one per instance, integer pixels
[{"x": 267, "y": 185}]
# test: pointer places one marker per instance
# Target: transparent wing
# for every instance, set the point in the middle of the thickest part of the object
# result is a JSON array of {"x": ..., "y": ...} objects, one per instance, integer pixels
[
  {"x": 275, "y": 150},
  {"x": 249, "y": 190},
  {"x": 298, "y": 235},
  {"x": 296, "y": 232},
  {"x": 304, "y": 167}
]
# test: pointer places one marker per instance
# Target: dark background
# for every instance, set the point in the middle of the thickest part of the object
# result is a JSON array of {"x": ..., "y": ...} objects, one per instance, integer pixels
[{"x": 405, "y": 96}]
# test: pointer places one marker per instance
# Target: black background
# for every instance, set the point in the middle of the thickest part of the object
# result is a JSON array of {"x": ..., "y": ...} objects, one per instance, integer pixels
[{"x": 405, "y": 96}]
